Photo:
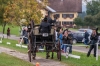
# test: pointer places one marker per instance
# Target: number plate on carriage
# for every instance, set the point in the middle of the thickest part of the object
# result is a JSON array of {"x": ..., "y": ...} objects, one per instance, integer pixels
[{"x": 45, "y": 34}]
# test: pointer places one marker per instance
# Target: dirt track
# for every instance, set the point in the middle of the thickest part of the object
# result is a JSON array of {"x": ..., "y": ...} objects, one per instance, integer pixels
[{"x": 43, "y": 62}]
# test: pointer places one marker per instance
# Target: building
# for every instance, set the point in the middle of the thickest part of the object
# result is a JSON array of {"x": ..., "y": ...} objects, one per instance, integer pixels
[{"x": 65, "y": 10}]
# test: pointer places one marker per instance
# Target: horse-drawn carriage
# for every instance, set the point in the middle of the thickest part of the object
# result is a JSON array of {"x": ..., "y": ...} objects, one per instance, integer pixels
[{"x": 47, "y": 40}]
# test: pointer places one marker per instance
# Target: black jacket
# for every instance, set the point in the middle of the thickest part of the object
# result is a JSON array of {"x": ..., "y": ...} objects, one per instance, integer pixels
[
  {"x": 94, "y": 39},
  {"x": 67, "y": 40},
  {"x": 45, "y": 27}
]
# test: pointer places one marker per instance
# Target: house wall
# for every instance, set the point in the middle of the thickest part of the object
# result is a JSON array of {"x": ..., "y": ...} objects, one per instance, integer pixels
[
  {"x": 44, "y": 12},
  {"x": 61, "y": 19}
]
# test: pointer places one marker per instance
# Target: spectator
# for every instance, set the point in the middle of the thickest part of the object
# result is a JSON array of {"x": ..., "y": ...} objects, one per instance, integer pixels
[
  {"x": 67, "y": 41},
  {"x": 86, "y": 38},
  {"x": 8, "y": 32},
  {"x": 94, "y": 39},
  {"x": 25, "y": 36},
  {"x": 59, "y": 36}
]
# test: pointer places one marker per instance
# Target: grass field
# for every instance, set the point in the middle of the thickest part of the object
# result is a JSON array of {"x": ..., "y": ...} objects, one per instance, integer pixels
[
  {"x": 13, "y": 45},
  {"x": 7, "y": 60},
  {"x": 84, "y": 61},
  {"x": 13, "y": 29}
]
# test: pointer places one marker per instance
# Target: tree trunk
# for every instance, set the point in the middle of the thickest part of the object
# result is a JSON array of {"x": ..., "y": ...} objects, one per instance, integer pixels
[{"x": 4, "y": 28}]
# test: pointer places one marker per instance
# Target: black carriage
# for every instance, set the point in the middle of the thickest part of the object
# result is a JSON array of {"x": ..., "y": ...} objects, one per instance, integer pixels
[{"x": 47, "y": 40}]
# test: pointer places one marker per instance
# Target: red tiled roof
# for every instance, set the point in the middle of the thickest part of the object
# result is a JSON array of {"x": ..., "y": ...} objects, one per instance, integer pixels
[{"x": 66, "y": 5}]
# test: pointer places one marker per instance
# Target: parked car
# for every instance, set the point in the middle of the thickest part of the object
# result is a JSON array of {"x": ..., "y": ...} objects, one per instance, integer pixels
[
  {"x": 88, "y": 30},
  {"x": 78, "y": 36}
]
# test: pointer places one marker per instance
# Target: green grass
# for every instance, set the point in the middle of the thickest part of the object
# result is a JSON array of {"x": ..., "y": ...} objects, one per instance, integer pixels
[
  {"x": 14, "y": 30},
  {"x": 84, "y": 44},
  {"x": 7, "y": 60},
  {"x": 13, "y": 45},
  {"x": 84, "y": 61}
]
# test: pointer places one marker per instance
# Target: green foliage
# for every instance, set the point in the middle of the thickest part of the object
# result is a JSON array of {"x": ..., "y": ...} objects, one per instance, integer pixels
[
  {"x": 88, "y": 20},
  {"x": 3, "y": 3},
  {"x": 16, "y": 10},
  {"x": 93, "y": 13},
  {"x": 78, "y": 21},
  {"x": 14, "y": 30},
  {"x": 93, "y": 7},
  {"x": 97, "y": 19}
]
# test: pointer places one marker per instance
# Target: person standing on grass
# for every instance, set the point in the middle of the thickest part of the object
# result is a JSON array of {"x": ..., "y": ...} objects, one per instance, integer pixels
[
  {"x": 25, "y": 35},
  {"x": 86, "y": 38},
  {"x": 94, "y": 39},
  {"x": 59, "y": 36},
  {"x": 8, "y": 32}
]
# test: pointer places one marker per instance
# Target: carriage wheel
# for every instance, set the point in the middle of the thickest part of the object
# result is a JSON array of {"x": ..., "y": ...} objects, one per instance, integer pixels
[
  {"x": 29, "y": 53},
  {"x": 59, "y": 51}
]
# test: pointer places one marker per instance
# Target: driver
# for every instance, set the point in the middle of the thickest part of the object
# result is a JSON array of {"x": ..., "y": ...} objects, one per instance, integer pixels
[{"x": 45, "y": 26}]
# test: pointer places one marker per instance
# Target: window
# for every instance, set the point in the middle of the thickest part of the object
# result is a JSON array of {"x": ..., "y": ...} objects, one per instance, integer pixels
[
  {"x": 67, "y": 23},
  {"x": 64, "y": 22},
  {"x": 67, "y": 16},
  {"x": 58, "y": 23},
  {"x": 71, "y": 23},
  {"x": 64, "y": 16},
  {"x": 56, "y": 16},
  {"x": 71, "y": 15}
]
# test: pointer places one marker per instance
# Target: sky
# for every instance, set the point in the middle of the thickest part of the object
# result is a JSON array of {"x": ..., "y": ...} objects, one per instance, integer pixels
[{"x": 84, "y": 5}]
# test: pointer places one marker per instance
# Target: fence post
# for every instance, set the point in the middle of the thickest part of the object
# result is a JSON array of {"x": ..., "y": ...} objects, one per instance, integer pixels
[{"x": 97, "y": 51}]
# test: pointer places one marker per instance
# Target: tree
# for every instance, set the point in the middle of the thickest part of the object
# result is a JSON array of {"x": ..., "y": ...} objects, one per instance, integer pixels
[
  {"x": 93, "y": 7},
  {"x": 97, "y": 19},
  {"x": 78, "y": 21},
  {"x": 17, "y": 10},
  {"x": 3, "y": 4},
  {"x": 89, "y": 21},
  {"x": 82, "y": 15}
]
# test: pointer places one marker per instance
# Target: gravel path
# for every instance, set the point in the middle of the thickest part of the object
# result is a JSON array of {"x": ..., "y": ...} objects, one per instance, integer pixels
[{"x": 43, "y": 62}]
